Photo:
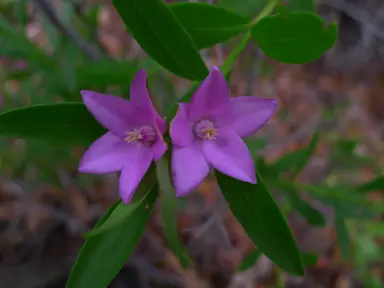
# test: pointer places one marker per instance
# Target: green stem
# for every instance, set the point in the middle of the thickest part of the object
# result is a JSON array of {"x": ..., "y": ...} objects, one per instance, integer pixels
[
  {"x": 279, "y": 278},
  {"x": 265, "y": 12}
]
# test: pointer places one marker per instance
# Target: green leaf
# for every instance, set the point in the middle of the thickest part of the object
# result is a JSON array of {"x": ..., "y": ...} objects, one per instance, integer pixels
[
  {"x": 107, "y": 214},
  {"x": 162, "y": 36},
  {"x": 209, "y": 24},
  {"x": 168, "y": 212},
  {"x": 374, "y": 185},
  {"x": 312, "y": 215},
  {"x": 375, "y": 229},
  {"x": 309, "y": 259},
  {"x": 294, "y": 38},
  {"x": 356, "y": 211},
  {"x": 18, "y": 74},
  {"x": 351, "y": 204},
  {"x": 347, "y": 201},
  {"x": 105, "y": 72},
  {"x": 102, "y": 256},
  {"x": 342, "y": 236},
  {"x": 250, "y": 260},
  {"x": 296, "y": 160},
  {"x": 264, "y": 223},
  {"x": 124, "y": 211},
  {"x": 287, "y": 161},
  {"x": 244, "y": 7},
  {"x": 296, "y": 5},
  {"x": 374, "y": 281},
  {"x": 255, "y": 144},
  {"x": 21, "y": 9},
  {"x": 62, "y": 123},
  {"x": 265, "y": 170},
  {"x": 225, "y": 68},
  {"x": 303, "y": 160}
]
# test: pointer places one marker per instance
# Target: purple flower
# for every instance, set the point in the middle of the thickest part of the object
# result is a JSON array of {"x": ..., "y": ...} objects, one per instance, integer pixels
[
  {"x": 207, "y": 132},
  {"x": 134, "y": 138}
]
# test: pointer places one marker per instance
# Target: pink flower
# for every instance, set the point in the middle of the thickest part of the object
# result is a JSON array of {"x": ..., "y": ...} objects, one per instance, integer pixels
[
  {"x": 134, "y": 138},
  {"x": 207, "y": 133}
]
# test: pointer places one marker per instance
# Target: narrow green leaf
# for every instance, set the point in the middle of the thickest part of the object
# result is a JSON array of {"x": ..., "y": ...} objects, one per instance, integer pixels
[
  {"x": 264, "y": 223},
  {"x": 124, "y": 211},
  {"x": 302, "y": 161},
  {"x": 62, "y": 123},
  {"x": 294, "y": 38},
  {"x": 102, "y": 256},
  {"x": 286, "y": 162},
  {"x": 162, "y": 36},
  {"x": 374, "y": 281},
  {"x": 107, "y": 214},
  {"x": 356, "y": 211},
  {"x": 309, "y": 259},
  {"x": 265, "y": 170},
  {"x": 168, "y": 212},
  {"x": 209, "y": 24},
  {"x": 21, "y": 9},
  {"x": 18, "y": 74},
  {"x": 342, "y": 236},
  {"x": 244, "y": 7},
  {"x": 250, "y": 260},
  {"x": 312, "y": 215},
  {"x": 375, "y": 229},
  {"x": 351, "y": 204},
  {"x": 255, "y": 144},
  {"x": 296, "y": 160},
  {"x": 296, "y": 5},
  {"x": 374, "y": 185}
]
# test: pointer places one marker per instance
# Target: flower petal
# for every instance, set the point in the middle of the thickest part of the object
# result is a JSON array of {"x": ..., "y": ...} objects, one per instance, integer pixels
[
  {"x": 161, "y": 125},
  {"x": 211, "y": 98},
  {"x": 106, "y": 155},
  {"x": 140, "y": 97},
  {"x": 132, "y": 173},
  {"x": 159, "y": 148},
  {"x": 181, "y": 128},
  {"x": 189, "y": 168},
  {"x": 229, "y": 154},
  {"x": 114, "y": 113},
  {"x": 247, "y": 114},
  {"x": 139, "y": 94}
]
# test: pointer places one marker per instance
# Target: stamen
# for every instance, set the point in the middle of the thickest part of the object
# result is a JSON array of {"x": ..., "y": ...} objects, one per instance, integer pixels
[
  {"x": 205, "y": 129},
  {"x": 133, "y": 136},
  {"x": 145, "y": 135}
]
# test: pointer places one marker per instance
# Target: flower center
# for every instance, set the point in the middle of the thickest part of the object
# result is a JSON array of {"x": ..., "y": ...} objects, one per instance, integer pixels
[
  {"x": 145, "y": 135},
  {"x": 205, "y": 129}
]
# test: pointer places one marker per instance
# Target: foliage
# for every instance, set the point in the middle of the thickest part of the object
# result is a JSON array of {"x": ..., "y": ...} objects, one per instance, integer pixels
[{"x": 53, "y": 116}]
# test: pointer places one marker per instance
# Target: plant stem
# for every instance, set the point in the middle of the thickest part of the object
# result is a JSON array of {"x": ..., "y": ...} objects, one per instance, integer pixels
[
  {"x": 265, "y": 12},
  {"x": 279, "y": 278}
]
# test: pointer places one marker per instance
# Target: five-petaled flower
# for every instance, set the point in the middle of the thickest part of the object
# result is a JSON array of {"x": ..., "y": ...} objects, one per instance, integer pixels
[
  {"x": 207, "y": 132},
  {"x": 134, "y": 139}
]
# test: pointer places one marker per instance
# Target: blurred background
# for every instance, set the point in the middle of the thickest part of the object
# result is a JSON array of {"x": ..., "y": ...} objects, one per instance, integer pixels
[{"x": 51, "y": 49}]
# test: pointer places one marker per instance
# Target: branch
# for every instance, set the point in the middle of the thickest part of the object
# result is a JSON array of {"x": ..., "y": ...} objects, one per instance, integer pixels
[{"x": 91, "y": 51}]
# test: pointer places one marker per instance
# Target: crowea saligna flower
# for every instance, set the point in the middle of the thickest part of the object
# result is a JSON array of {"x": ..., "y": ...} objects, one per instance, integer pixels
[
  {"x": 208, "y": 132},
  {"x": 134, "y": 138}
]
